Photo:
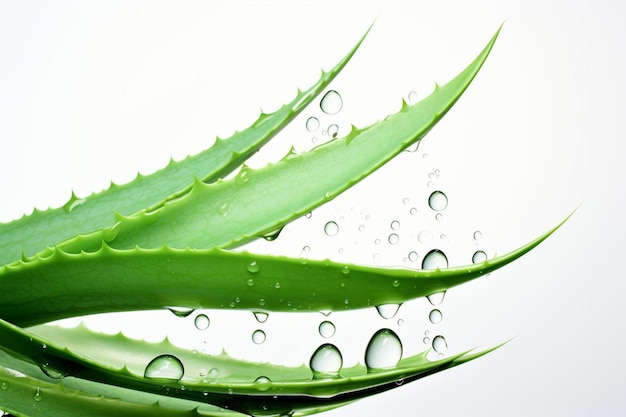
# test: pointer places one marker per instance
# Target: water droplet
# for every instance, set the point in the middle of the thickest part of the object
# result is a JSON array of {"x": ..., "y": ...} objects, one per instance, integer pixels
[
  {"x": 165, "y": 367},
  {"x": 345, "y": 270},
  {"x": 222, "y": 210},
  {"x": 412, "y": 97},
  {"x": 38, "y": 395},
  {"x": 331, "y": 103},
  {"x": 314, "y": 139},
  {"x": 425, "y": 237},
  {"x": 400, "y": 322},
  {"x": 435, "y": 316},
  {"x": 387, "y": 311},
  {"x": 430, "y": 184},
  {"x": 253, "y": 267},
  {"x": 361, "y": 228},
  {"x": 327, "y": 329},
  {"x": 202, "y": 322},
  {"x": 43, "y": 346},
  {"x": 377, "y": 241},
  {"x": 262, "y": 301},
  {"x": 384, "y": 350},
  {"x": 438, "y": 201},
  {"x": 305, "y": 251},
  {"x": 277, "y": 285},
  {"x": 331, "y": 228},
  {"x": 438, "y": 217},
  {"x": 436, "y": 298},
  {"x": 51, "y": 372},
  {"x": 258, "y": 337},
  {"x": 439, "y": 344},
  {"x": 405, "y": 201},
  {"x": 333, "y": 130},
  {"x": 180, "y": 311},
  {"x": 479, "y": 257},
  {"x": 213, "y": 373},
  {"x": 435, "y": 259},
  {"x": 477, "y": 235},
  {"x": 273, "y": 235},
  {"x": 395, "y": 225},
  {"x": 412, "y": 256},
  {"x": 413, "y": 211},
  {"x": 312, "y": 124},
  {"x": 308, "y": 215},
  {"x": 262, "y": 383},
  {"x": 326, "y": 361},
  {"x": 250, "y": 282},
  {"x": 395, "y": 283},
  {"x": 393, "y": 239},
  {"x": 260, "y": 316},
  {"x": 426, "y": 340}
]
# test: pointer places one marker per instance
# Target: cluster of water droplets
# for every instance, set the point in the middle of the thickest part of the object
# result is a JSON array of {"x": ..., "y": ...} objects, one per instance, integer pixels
[{"x": 330, "y": 105}]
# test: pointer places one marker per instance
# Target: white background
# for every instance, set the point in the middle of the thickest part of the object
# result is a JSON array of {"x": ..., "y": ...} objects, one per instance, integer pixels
[{"x": 93, "y": 91}]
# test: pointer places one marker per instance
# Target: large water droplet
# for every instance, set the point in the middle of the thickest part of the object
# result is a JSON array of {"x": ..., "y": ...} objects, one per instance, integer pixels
[
  {"x": 260, "y": 316},
  {"x": 38, "y": 395},
  {"x": 384, "y": 350},
  {"x": 438, "y": 201},
  {"x": 213, "y": 373},
  {"x": 258, "y": 337},
  {"x": 180, "y": 311},
  {"x": 262, "y": 383},
  {"x": 435, "y": 259},
  {"x": 331, "y": 103},
  {"x": 331, "y": 228},
  {"x": 312, "y": 124},
  {"x": 165, "y": 367},
  {"x": 436, "y": 298},
  {"x": 253, "y": 267},
  {"x": 327, "y": 329},
  {"x": 435, "y": 316},
  {"x": 387, "y": 311},
  {"x": 439, "y": 344},
  {"x": 202, "y": 322},
  {"x": 326, "y": 361},
  {"x": 479, "y": 257},
  {"x": 51, "y": 372}
]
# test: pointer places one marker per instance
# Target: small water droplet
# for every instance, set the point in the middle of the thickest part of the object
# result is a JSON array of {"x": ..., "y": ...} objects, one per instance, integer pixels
[
  {"x": 312, "y": 124},
  {"x": 345, "y": 270},
  {"x": 393, "y": 239},
  {"x": 430, "y": 184},
  {"x": 202, "y": 322},
  {"x": 213, "y": 373},
  {"x": 222, "y": 210},
  {"x": 412, "y": 97},
  {"x": 165, "y": 367},
  {"x": 260, "y": 316},
  {"x": 4, "y": 385},
  {"x": 327, "y": 329},
  {"x": 361, "y": 228},
  {"x": 425, "y": 237},
  {"x": 43, "y": 346},
  {"x": 387, "y": 311},
  {"x": 395, "y": 225},
  {"x": 253, "y": 267},
  {"x": 384, "y": 350},
  {"x": 180, "y": 311},
  {"x": 435, "y": 259},
  {"x": 262, "y": 383},
  {"x": 326, "y": 361},
  {"x": 262, "y": 301},
  {"x": 333, "y": 130},
  {"x": 477, "y": 235},
  {"x": 243, "y": 176},
  {"x": 439, "y": 344},
  {"x": 250, "y": 282},
  {"x": 277, "y": 285},
  {"x": 331, "y": 103},
  {"x": 258, "y": 337},
  {"x": 412, "y": 256},
  {"x": 395, "y": 283},
  {"x": 413, "y": 211},
  {"x": 400, "y": 322},
  {"x": 438, "y": 201},
  {"x": 304, "y": 253},
  {"x": 273, "y": 235},
  {"x": 436, "y": 299},
  {"x": 426, "y": 340},
  {"x": 435, "y": 316},
  {"x": 331, "y": 228},
  {"x": 479, "y": 257},
  {"x": 308, "y": 215},
  {"x": 38, "y": 395},
  {"x": 314, "y": 139}
]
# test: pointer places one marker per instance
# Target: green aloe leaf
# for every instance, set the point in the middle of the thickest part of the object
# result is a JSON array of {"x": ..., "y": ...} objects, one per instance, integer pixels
[
  {"x": 31, "y": 234},
  {"x": 257, "y": 202},
  {"x": 137, "y": 279}
]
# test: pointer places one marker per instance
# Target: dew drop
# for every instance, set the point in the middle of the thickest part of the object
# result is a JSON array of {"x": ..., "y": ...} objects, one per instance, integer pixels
[
  {"x": 435, "y": 316},
  {"x": 202, "y": 322},
  {"x": 361, "y": 228},
  {"x": 222, "y": 210},
  {"x": 477, "y": 235},
  {"x": 400, "y": 322},
  {"x": 412, "y": 256},
  {"x": 436, "y": 298},
  {"x": 326, "y": 361},
  {"x": 214, "y": 373},
  {"x": 260, "y": 316},
  {"x": 165, "y": 367},
  {"x": 426, "y": 340},
  {"x": 387, "y": 311},
  {"x": 180, "y": 311},
  {"x": 253, "y": 267},
  {"x": 304, "y": 253},
  {"x": 327, "y": 329},
  {"x": 345, "y": 270},
  {"x": 438, "y": 217},
  {"x": 413, "y": 211},
  {"x": 277, "y": 285},
  {"x": 38, "y": 395},
  {"x": 393, "y": 239},
  {"x": 479, "y": 257},
  {"x": 258, "y": 337},
  {"x": 308, "y": 215},
  {"x": 312, "y": 124},
  {"x": 395, "y": 283},
  {"x": 262, "y": 301},
  {"x": 331, "y": 228},
  {"x": 4, "y": 386},
  {"x": 262, "y": 383},
  {"x": 405, "y": 201},
  {"x": 250, "y": 282},
  {"x": 439, "y": 344},
  {"x": 331, "y": 103},
  {"x": 51, "y": 372},
  {"x": 395, "y": 225},
  {"x": 412, "y": 97},
  {"x": 435, "y": 259},
  {"x": 333, "y": 130},
  {"x": 384, "y": 350},
  {"x": 438, "y": 201}
]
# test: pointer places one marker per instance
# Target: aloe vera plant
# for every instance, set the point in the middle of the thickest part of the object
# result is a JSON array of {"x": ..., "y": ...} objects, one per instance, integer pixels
[{"x": 166, "y": 240}]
